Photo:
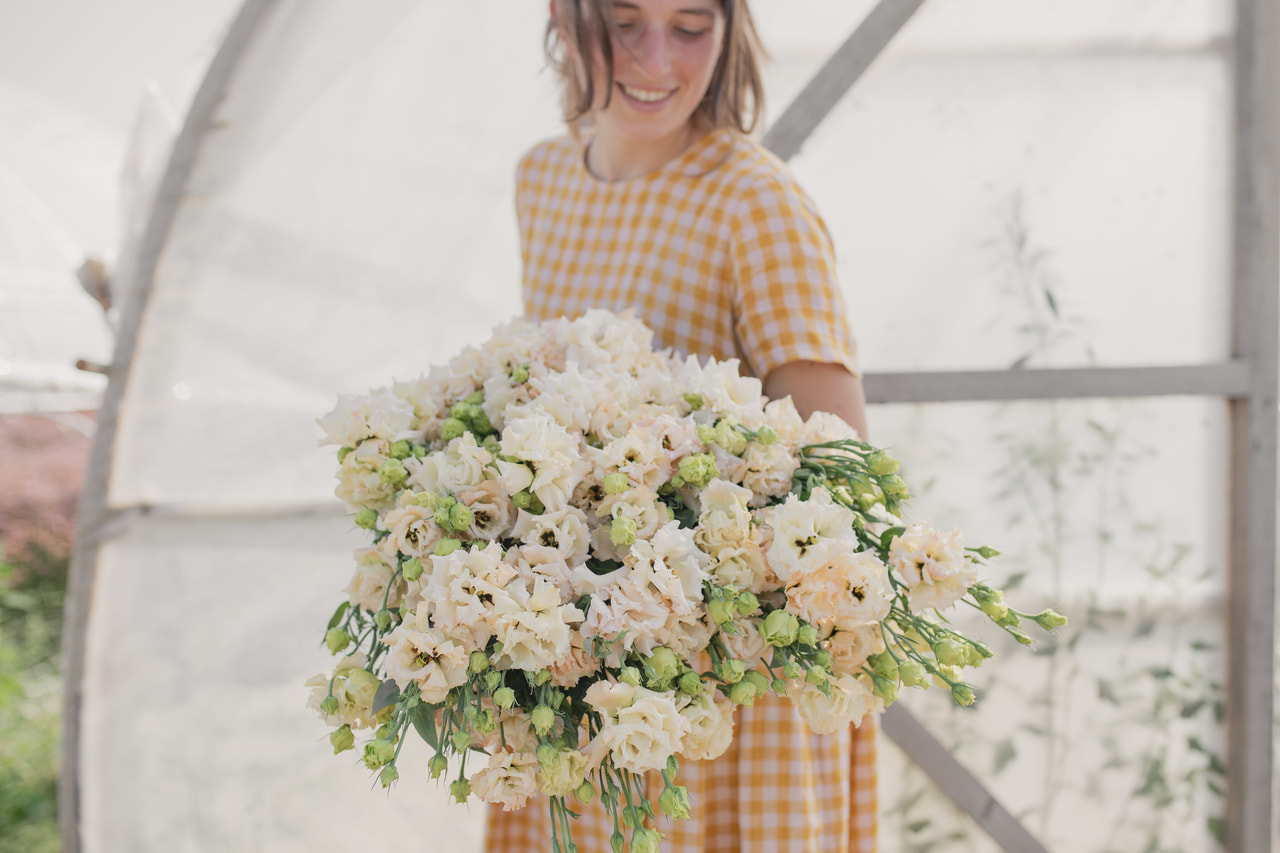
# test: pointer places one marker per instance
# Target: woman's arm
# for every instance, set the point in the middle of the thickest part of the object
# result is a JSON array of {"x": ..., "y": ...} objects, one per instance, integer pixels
[{"x": 817, "y": 387}]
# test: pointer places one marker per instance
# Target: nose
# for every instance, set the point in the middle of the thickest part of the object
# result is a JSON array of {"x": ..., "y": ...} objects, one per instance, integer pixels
[{"x": 651, "y": 50}]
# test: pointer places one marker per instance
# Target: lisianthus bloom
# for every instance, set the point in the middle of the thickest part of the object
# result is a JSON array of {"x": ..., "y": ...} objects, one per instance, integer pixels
[
  {"x": 508, "y": 781},
  {"x": 533, "y": 626},
  {"x": 798, "y": 529},
  {"x": 353, "y": 686},
  {"x": 642, "y": 734},
  {"x": 933, "y": 566},
  {"x": 368, "y": 586},
  {"x": 850, "y": 648},
  {"x": 413, "y": 529},
  {"x": 845, "y": 590},
  {"x": 428, "y": 658},
  {"x": 710, "y": 719},
  {"x": 848, "y": 701},
  {"x": 461, "y": 465},
  {"x": 378, "y": 414},
  {"x": 725, "y": 520}
]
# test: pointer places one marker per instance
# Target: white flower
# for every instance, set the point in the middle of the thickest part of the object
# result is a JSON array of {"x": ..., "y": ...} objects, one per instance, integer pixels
[
  {"x": 459, "y": 466},
  {"x": 553, "y": 453},
  {"x": 824, "y": 426},
  {"x": 710, "y": 719},
  {"x": 509, "y": 780},
  {"x": 564, "y": 773},
  {"x": 742, "y": 567},
  {"x": 541, "y": 561},
  {"x": 723, "y": 389},
  {"x": 428, "y": 658},
  {"x": 353, "y": 686},
  {"x": 642, "y": 734},
  {"x": 845, "y": 589},
  {"x": 725, "y": 520},
  {"x": 637, "y": 454},
  {"x": 769, "y": 470},
  {"x": 851, "y": 648},
  {"x": 564, "y": 529},
  {"x": 493, "y": 513},
  {"x": 413, "y": 530},
  {"x": 368, "y": 586},
  {"x": 467, "y": 591},
  {"x": 849, "y": 701},
  {"x": 798, "y": 526},
  {"x": 359, "y": 483},
  {"x": 533, "y": 627},
  {"x": 379, "y": 414},
  {"x": 672, "y": 564},
  {"x": 781, "y": 416},
  {"x": 933, "y": 566}
]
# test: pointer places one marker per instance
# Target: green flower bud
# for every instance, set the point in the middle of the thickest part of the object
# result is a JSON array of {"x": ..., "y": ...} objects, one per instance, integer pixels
[
  {"x": 817, "y": 676},
  {"x": 706, "y": 434},
  {"x": 778, "y": 686},
  {"x": 460, "y": 789},
  {"x": 504, "y": 697},
  {"x": 867, "y": 501},
  {"x": 721, "y": 610},
  {"x": 881, "y": 464},
  {"x": 780, "y": 628},
  {"x": 528, "y": 502},
  {"x": 949, "y": 652},
  {"x": 336, "y": 639},
  {"x": 884, "y": 665},
  {"x": 461, "y": 741},
  {"x": 1009, "y": 620},
  {"x": 480, "y": 422},
  {"x": 452, "y": 428},
  {"x": 986, "y": 552},
  {"x": 747, "y": 604},
  {"x": 543, "y": 719},
  {"x": 485, "y": 722},
  {"x": 492, "y": 444},
  {"x": 743, "y": 693},
  {"x": 419, "y": 451},
  {"x": 540, "y": 677},
  {"x": 475, "y": 398},
  {"x": 963, "y": 694},
  {"x": 342, "y": 739},
  {"x": 728, "y": 437},
  {"x": 462, "y": 410},
  {"x": 822, "y": 657},
  {"x": 1022, "y": 637},
  {"x": 975, "y": 653},
  {"x": 367, "y": 518},
  {"x": 792, "y": 670},
  {"x": 411, "y": 569},
  {"x": 663, "y": 664},
  {"x": 766, "y": 435},
  {"x": 690, "y": 684},
  {"x": 995, "y": 608},
  {"x": 633, "y": 817},
  {"x": 392, "y": 472},
  {"x": 622, "y": 532},
  {"x": 1049, "y": 619},
  {"x": 437, "y": 765},
  {"x": 492, "y": 678},
  {"x": 674, "y": 802},
  {"x": 460, "y": 516},
  {"x": 400, "y": 450},
  {"x": 757, "y": 679},
  {"x": 342, "y": 453},
  {"x": 645, "y": 841},
  {"x": 383, "y": 620},
  {"x": 547, "y": 755},
  {"x": 629, "y": 675},
  {"x": 913, "y": 674},
  {"x": 698, "y": 469},
  {"x": 617, "y": 842},
  {"x": 730, "y": 670},
  {"x": 445, "y": 547},
  {"x": 329, "y": 706},
  {"x": 585, "y": 792},
  {"x": 807, "y": 635},
  {"x": 378, "y": 752},
  {"x": 477, "y": 661},
  {"x": 886, "y": 690},
  {"x": 388, "y": 775},
  {"x": 520, "y": 375},
  {"x": 694, "y": 401},
  {"x": 615, "y": 483}
]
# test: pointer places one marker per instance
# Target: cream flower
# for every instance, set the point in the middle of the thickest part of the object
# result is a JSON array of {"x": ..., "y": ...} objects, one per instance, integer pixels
[
  {"x": 685, "y": 634},
  {"x": 745, "y": 643},
  {"x": 492, "y": 511},
  {"x": 428, "y": 658},
  {"x": 671, "y": 555},
  {"x": 636, "y": 616},
  {"x": 565, "y": 530},
  {"x": 564, "y": 773},
  {"x": 781, "y": 416},
  {"x": 642, "y": 734},
  {"x": 509, "y": 780},
  {"x": 461, "y": 465},
  {"x": 575, "y": 665},
  {"x": 933, "y": 566},
  {"x": 413, "y": 530},
  {"x": 851, "y": 648},
  {"x": 799, "y": 526},
  {"x": 541, "y": 561},
  {"x": 710, "y": 719},
  {"x": 353, "y": 686},
  {"x": 553, "y": 453},
  {"x": 824, "y": 426},
  {"x": 368, "y": 586},
  {"x": 769, "y": 470},
  {"x": 359, "y": 483},
  {"x": 637, "y": 454},
  {"x": 379, "y": 414},
  {"x": 467, "y": 591},
  {"x": 850, "y": 700},
  {"x": 725, "y": 520},
  {"x": 846, "y": 590},
  {"x": 744, "y": 568},
  {"x": 533, "y": 627}
]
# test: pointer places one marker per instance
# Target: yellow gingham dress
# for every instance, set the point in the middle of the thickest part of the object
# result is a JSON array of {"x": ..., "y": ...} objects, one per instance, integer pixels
[{"x": 723, "y": 255}]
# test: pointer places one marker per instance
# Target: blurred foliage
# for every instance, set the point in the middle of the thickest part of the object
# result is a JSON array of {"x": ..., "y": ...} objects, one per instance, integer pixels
[{"x": 32, "y": 588}]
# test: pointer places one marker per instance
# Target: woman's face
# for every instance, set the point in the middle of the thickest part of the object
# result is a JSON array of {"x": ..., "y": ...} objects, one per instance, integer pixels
[{"x": 664, "y": 55}]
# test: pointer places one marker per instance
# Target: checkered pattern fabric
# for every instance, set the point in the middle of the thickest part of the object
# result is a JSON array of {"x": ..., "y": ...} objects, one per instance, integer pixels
[
  {"x": 723, "y": 255},
  {"x": 720, "y": 252}
]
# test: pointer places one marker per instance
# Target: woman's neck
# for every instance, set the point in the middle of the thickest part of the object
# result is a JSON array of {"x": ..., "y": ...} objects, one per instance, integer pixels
[{"x": 613, "y": 159}]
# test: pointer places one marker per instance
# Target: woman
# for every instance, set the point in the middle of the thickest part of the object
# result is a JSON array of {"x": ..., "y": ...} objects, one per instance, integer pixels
[{"x": 659, "y": 201}]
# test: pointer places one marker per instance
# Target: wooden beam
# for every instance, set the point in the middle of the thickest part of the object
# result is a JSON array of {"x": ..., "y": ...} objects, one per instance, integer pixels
[
  {"x": 1256, "y": 326},
  {"x": 1231, "y": 379},
  {"x": 837, "y": 75},
  {"x": 955, "y": 780}
]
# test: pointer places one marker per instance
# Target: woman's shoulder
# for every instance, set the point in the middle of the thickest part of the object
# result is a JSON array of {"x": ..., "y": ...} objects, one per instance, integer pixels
[
  {"x": 754, "y": 176},
  {"x": 556, "y": 152}
]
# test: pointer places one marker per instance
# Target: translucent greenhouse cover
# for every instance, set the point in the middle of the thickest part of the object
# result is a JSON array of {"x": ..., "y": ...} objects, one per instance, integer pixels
[{"x": 1013, "y": 182}]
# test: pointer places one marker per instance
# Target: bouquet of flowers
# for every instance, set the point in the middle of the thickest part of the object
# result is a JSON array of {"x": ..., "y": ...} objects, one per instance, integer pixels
[{"x": 586, "y": 553}]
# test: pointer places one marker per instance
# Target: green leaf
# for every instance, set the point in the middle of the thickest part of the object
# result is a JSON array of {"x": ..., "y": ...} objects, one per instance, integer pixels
[
  {"x": 1006, "y": 752},
  {"x": 602, "y": 567},
  {"x": 338, "y": 614},
  {"x": 918, "y": 825},
  {"x": 423, "y": 718},
  {"x": 1145, "y": 627},
  {"x": 1217, "y": 828},
  {"x": 1191, "y": 708},
  {"x": 1107, "y": 693},
  {"x": 887, "y": 537},
  {"x": 1015, "y": 580},
  {"x": 387, "y": 693}
]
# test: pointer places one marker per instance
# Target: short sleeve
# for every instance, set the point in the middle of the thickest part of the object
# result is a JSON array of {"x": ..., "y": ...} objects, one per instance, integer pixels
[{"x": 787, "y": 302}]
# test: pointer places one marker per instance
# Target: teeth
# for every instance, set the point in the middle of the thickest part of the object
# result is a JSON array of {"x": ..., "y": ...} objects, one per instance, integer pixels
[{"x": 646, "y": 95}]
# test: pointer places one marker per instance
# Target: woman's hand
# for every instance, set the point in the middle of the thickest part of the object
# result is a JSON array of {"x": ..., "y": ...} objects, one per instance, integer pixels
[{"x": 819, "y": 387}]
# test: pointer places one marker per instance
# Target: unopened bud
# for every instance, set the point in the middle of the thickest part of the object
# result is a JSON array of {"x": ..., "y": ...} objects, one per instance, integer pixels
[
  {"x": 645, "y": 841},
  {"x": 766, "y": 435},
  {"x": 543, "y": 719},
  {"x": 400, "y": 450},
  {"x": 452, "y": 428},
  {"x": 520, "y": 374},
  {"x": 807, "y": 635},
  {"x": 747, "y": 604},
  {"x": 622, "y": 532},
  {"x": 674, "y": 802},
  {"x": 690, "y": 684},
  {"x": 492, "y": 678},
  {"x": 817, "y": 676},
  {"x": 1049, "y": 619},
  {"x": 412, "y": 569},
  {"x": 367, "y": 518},
  {"x": 949, "y": 652},
  {"x": 881, "y": 464},
  {"x": 378, "y": 752},
  {"x": 884, "y": 665},
  {"x": 731, "y": 670},
  {"x": 886, "y": 690},
  {"x": 504, "y": 697},
  {"x": 460, "y": 789},
  {"x": 445, "y": 547},
  {"x": 547, "y": 755},
  {"x": 721, "y": 610},
  {"x": 461, "y": 741},
  {"x": 342, "y": 739},
  {"x": 388, "y": 775},
  {"x": 664, "y": 665},
  {"x": 792, "y": 670},
  {"x": 629, "y": 675},
  {"x": 478, "y": 661},
  {"x": 585, "y": 792},
  {"x": 693, "y": 401},
  {"x": 336, "y": 639},
  {"x": 617, "y": 842},
  {"x": 437, "y": 765},
  {"x": 615, "y": 483},
  {"x": 778, "y": 686},
  {"x": 392, "y": 472},
  {"x": 963, "y": 694},
  {"x": 913, "y": 674},
  {"x": 383, "y": 620},
  {"x": 329, "y": 706},
  {"x": 485, "y": 723},
  {"x": 460, "y": 516},
  {"x": 743, "y": 693}
]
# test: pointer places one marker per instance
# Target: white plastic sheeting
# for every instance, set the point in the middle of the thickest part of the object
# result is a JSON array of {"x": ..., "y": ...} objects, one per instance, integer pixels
[{"x": 1013, "y": 181}]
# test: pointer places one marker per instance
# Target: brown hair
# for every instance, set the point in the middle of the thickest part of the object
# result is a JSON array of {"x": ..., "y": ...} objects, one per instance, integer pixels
[{"x": 735, "y": 96}]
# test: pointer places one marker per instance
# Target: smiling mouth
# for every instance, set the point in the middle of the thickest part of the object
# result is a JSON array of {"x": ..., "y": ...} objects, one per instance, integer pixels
[{"x": 646, "y": 96}]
